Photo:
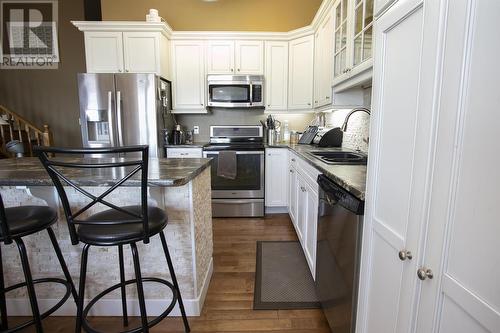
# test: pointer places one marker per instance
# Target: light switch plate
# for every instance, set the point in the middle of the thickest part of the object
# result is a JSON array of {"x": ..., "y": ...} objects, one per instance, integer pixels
[{"x": 196, "y": 129}]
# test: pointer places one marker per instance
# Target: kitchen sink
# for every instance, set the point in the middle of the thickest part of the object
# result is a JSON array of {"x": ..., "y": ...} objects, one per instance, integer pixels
[{"x": 340, "y": 157}]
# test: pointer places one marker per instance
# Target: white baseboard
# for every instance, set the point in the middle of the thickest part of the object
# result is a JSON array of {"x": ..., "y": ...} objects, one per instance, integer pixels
[
  {"x": 277, "y": 210},
  {"x": 113, "y": 307}
]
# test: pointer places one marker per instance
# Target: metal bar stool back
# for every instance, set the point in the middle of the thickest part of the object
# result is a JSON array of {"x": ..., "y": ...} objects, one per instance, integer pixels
[{"x": 116, "y": 226}]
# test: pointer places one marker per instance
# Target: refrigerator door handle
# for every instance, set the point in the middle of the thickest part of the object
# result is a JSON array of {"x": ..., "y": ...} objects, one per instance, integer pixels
[
  {"x": 110, "y": 119},
  {"x": 119, "y": 116}
]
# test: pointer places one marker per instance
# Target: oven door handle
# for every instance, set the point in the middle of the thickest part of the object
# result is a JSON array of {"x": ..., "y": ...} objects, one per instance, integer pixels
[
  {"x": 259, "y": 152},
  {"x": 235, "y": 202}
]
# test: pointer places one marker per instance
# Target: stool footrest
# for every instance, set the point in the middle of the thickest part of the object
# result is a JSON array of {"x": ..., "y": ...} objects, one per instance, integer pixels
[
  {"x": 49, "y": 311},
  {"x": 151, "y": 323}
]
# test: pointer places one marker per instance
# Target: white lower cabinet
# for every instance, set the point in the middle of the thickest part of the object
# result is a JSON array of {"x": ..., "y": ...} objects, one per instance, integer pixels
[
  {"x": 184, "y": 152},
  {"x": 292, "y": 194},
  {"x": 276, "y": 177},
  {"x": 303, "y": 205},
  {"x": 311, "y": 218}
]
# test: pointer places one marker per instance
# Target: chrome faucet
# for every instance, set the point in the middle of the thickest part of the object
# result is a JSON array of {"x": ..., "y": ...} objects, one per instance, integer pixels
[{"x": 363, "y": 109}]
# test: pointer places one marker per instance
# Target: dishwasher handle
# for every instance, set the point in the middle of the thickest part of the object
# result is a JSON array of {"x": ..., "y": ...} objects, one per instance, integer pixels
[{"x": 333, "y": 193}]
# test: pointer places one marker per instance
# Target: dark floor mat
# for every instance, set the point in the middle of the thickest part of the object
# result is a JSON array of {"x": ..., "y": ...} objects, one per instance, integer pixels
[{"x": 282, "y": 278}]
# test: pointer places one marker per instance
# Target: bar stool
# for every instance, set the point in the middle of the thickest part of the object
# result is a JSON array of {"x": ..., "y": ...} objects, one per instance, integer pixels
[
  {"x": 18, "y": 222},
  {"x": 117, "y": 226}
]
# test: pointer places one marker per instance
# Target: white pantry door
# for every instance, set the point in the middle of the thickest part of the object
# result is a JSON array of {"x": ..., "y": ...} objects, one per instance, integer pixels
[
  {"x": 400, "y": 136},
  {"x": 464, "y": 228}
]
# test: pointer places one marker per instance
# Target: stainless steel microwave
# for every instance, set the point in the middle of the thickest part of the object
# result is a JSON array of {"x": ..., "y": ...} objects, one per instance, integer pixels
[{"x": 235, "y": 91}]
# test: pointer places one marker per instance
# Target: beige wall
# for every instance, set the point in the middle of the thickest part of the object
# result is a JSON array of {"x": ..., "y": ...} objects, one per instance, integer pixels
[
  {"x": 51, "y": 96},
  {"x": 240, "y": 15}
]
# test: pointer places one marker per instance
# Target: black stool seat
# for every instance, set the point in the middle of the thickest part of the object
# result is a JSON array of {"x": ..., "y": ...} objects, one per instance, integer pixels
[
  {"x": 102, "y": 234},
  {"x": 27, "y": 220},
  {"x": 16, "y": 223}
]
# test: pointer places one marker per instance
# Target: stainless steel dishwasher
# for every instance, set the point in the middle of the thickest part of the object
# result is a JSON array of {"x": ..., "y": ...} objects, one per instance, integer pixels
[{"x": 337, "y": 254}]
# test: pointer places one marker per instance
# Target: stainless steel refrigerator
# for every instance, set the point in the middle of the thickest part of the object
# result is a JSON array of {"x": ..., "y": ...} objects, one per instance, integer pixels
[{"x": 124, "y": 109}]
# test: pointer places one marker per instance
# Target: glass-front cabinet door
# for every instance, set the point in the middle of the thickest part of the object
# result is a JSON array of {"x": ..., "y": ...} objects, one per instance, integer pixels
[
  {"x": 363, "y": 31},
  {"x": 340, "y": 35},
  {"x": 353, "y": 39}
]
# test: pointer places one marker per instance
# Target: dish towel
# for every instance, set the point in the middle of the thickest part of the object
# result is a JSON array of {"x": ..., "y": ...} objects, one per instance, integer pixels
[{"x": 226, "y": 164}]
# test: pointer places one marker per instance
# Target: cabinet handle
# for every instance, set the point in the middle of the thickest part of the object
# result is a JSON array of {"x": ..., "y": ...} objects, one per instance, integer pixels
[
  {"x": 238, "y": 69},
  {"x": 268, "y": 105},
  {"x": 316, "y": 102},
  {"x": 293, "y": 159},
  {"x": 291, "y": 171},
  {"x": 119, "y": 71},
  {"x": 201, "y": 104},
  {"x": 327, "y": 97},
  {"x": 126, "y": 70},
  {"x": 404, "y": 254},
  {"x": 232, "y": 70},
  {"x": 308, "y": 103},
  {"x": 425, "y": 273}
]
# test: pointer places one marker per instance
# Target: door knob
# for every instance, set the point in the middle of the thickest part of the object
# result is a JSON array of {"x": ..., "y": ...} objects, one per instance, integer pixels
[
  {"x": 404, "y": 254},
  {"x": 425, "y": 273}
]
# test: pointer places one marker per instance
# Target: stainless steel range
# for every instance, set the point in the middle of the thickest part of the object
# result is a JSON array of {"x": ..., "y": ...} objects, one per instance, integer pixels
[{"x": 243, "y": 194}]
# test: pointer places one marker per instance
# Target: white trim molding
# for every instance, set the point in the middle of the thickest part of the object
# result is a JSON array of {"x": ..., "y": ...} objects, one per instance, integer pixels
[{"x": 165, "y": 28}]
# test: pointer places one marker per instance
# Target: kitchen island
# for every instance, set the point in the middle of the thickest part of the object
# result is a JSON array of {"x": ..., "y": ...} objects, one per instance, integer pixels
[{"x": 179, "y": 186}]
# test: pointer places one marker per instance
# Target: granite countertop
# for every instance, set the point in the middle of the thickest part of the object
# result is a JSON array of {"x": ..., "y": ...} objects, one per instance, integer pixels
[
  {"x": 28, "y": 171},
  {"x": 350, "y": 177}
]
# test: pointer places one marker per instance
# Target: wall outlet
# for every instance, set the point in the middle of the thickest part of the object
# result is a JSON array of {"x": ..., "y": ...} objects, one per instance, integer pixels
[{"x": 196, "y": 129}]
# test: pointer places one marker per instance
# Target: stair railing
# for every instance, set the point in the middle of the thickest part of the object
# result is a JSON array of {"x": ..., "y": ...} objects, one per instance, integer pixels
[{"x": 16, "y": 127}]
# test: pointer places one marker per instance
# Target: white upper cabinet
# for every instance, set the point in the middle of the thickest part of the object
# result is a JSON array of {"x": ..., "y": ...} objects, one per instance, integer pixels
[
  {"x": 362, "y": 34},
  {"x": 127, "y": 52},
  {"x": 323, "y": 62},
  {"x": 188, "y": 86},
  {"x": 276, "y": 75},
  {"x": 104, "y": 51},
  {"x": 353, "y": 34},
  {"x": 220, "y": 57},
  {"x": 249, "y": 57},
  {"x": 141, "y": 52},
  {"x": 235, "y": 57},
  {"x": 300, "y": 75}
]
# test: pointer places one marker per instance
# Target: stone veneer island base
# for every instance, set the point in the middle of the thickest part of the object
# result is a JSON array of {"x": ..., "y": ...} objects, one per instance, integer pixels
[{"x": 180, "y": 187}]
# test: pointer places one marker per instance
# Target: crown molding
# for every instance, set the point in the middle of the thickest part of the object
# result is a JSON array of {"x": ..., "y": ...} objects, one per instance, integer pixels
[
  {"x": 250, "y": 35},
  {"x": 323, "y": 10},
  {"x": 164, "y": 28}
]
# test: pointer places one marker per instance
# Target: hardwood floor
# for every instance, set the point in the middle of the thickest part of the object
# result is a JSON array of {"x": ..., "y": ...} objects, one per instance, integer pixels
[{"x": 228, "y": 306}]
